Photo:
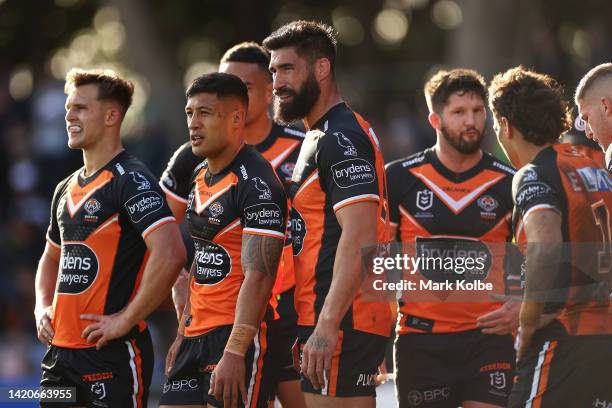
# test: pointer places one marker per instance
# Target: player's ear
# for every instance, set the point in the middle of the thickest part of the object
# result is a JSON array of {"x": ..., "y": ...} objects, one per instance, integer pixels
[
  {"x": 113, "y": 116},
  {"x": 322, "y": 68},
  {"x": 505, "y": 128},
  {"x": 434, "y": 120},
  {"x": 606, "y": 105},
  {"x": 238, "y": 116}
]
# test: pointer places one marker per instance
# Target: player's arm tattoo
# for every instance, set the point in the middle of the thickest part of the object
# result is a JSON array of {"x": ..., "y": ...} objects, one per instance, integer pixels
[{"x": 261, "y": 253}]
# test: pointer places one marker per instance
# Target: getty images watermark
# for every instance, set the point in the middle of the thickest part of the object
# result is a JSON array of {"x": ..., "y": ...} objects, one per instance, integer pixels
[{"x": 460, "y": 266}]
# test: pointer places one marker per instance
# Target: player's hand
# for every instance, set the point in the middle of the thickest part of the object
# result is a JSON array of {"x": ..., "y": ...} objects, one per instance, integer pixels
[
  {"x": 317, "y": 355},
  {"x": 44, "y": 329},
  {"x": 172, "y": 353},
  {"x": 105, "y": 328},
  {"x": 383, "y": 375},
  {"x": 227, "y": 380},
  {"x": 503, "y": 320}
]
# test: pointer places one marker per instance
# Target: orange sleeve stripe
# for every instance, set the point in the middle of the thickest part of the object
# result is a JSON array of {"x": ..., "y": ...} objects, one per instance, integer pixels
[
  {"x": 356, "y": 199},
  {"x": 268, "y": 233},
  {"x": 156, "y": 225}
]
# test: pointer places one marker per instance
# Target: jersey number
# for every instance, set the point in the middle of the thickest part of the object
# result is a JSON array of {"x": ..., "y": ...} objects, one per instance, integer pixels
[{"x": 602, "y": 219}]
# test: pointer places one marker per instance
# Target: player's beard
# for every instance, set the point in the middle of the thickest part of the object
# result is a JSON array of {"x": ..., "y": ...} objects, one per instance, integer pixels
[
  {"x": 460, "y": 143},
  {"x": 301, "y": 104}
]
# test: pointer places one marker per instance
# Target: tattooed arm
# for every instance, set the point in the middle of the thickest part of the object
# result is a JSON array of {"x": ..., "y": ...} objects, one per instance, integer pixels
[{"x": 260, "y": 257}]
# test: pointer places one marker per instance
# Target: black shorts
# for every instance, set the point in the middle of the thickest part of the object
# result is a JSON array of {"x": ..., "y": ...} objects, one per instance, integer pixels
[
  {"x": 283, "y": 333},
  {"x": 444, "y": 369},
  {"x": 189, "y": 380},
  {"x": 118, "y": 375},
  {"x": 562, "y": 371},
  {"x": 354, "y": 364}
]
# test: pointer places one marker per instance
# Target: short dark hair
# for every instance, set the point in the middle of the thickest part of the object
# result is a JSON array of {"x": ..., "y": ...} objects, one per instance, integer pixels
[
  {"x": 311, "y": 39},
  {"x": 110, "y": 85},
  {"x": 249, "y": 52},
  {"x": 532, "y": 102},
  {"x": 445, "y": 83},
  {"x": 220, "y": 84}
]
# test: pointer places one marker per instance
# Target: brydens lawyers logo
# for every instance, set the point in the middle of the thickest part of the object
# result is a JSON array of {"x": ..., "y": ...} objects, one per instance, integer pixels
[
  {"x": 263, "y": 188},
  {"x": 143, "y": 204}
]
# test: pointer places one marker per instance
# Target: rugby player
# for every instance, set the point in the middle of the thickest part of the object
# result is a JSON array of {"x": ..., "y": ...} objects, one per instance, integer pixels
[
  {"x": 280, "y": 145},
  {"x": 561, "y": 196},
  {"x": 113, "y": 251},
  {"x": 450, "y": 354},
  {"x": 594, "y": 100},
  {"x": 338, "y": 195},
  {"x": 236, "y": 214}
]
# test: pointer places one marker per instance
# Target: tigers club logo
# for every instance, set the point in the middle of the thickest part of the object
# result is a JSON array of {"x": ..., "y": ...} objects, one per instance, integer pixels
[{"x": 92, "y": 206}]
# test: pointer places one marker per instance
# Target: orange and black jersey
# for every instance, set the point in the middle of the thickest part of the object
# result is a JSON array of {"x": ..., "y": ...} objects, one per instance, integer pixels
[
  {"x": 100, "y": 223},
  {"x": 564, "y": 180},
  {"x": 281, "y": 148},
  {"x": 245, "y": 198},
  {"x": 436, "y": 209},
  {"x": 340, "y": 163}
]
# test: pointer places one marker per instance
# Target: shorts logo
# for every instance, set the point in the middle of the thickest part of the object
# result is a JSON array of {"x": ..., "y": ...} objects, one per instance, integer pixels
[
  {"x": 97, "y": 376},
  {"x": 181, "y": 385},
  {"x": 263, "y": 188},
  {"x": 415, "y": 398},
  {"x": 215, "y": 209},
  {"x": 78, "y": 269},
  {"x": 140, "y": 180},
  {"x": 92, "y": 206},
  {"x": 366, "y": 380},
  {"x": 143, "y": 204},
  {"x": 99, "y": 390},
  {"x": 498, "y": 380},
  {"x": 424, "y": 200},
  {"x": 487, "y": 203},
  {"x": 343, "y": 141},
  {"x": 212, "y": 263},
  {"x": 263, "y": 215},
  {"x": 352, "y": 172}
]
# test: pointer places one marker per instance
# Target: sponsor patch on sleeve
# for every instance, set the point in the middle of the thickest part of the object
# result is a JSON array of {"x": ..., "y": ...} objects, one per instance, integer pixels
[
  {"x": 268, "y": 215},
  {"x": 532, "y": 191},
  {"x": 143, "y": 204},
  {"x": 352, "y": 172}
]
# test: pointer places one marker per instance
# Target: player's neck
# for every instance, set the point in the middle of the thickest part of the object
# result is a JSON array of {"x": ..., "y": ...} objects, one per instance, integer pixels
[
  {"x": 258, "y": 130},
  {"x": 528, "y": 152},
  {"x": 97, "y": 156},
  {"x": 220, "y": 161},
  {"x": 455, "y": 161},
  {"x": 329, "y": 98}
]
